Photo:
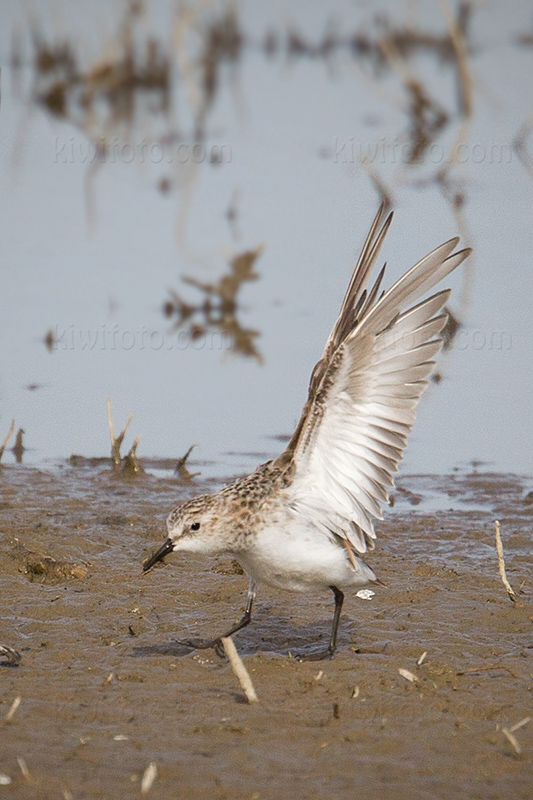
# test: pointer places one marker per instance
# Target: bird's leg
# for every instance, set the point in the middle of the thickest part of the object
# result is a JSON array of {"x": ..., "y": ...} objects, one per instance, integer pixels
[
  {"x": 204, "y": 644},
  {"x": 339, "y": 598}
]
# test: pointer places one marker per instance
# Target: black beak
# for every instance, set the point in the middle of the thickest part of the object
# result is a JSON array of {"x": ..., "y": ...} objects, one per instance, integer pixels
[{"x": 163, "y": 551}]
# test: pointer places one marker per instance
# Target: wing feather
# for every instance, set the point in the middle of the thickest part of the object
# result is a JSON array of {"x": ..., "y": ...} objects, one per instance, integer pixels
[{"x": 364, "y": 392}]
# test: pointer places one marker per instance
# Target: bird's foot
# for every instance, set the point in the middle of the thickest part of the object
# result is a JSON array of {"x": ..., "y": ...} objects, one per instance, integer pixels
[
  {"x": 204, "y": 644},
  {"x": 320, "y": 656}
]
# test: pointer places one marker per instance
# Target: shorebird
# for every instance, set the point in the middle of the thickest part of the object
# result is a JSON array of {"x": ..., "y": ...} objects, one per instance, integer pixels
[{"x": 302, "y": 521}]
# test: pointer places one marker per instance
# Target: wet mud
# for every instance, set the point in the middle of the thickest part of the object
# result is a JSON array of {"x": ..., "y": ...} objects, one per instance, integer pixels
[{"x": 105, "y": 690}]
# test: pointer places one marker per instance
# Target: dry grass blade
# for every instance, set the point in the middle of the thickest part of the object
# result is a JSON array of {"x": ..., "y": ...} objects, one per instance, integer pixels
[
  {"x": 149, "y": 776},
  {"x": 8, "y": 437},
  {"x": 501, "y": 563},
  {"x": 181, "y": 467},
  {"x": 116, "y": 441},
  {"x": 512, "y": 739},
  {"x": 488, "y": 668},
  {"x": 422, "y": 658},
  {"x": 25, "y": 771},
  {"x": 409, "y": 676},
  {"x": 520, "y": 724},
  {"x": 14, "y": 705},
  {"x": 239, "y": 669}
]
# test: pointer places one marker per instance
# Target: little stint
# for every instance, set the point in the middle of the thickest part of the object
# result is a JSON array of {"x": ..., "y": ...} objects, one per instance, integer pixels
[{"x": 302, "y": 521}]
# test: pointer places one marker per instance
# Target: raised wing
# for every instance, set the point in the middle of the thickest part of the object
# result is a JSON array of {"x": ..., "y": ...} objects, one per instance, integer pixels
[{"x": 364, "y": 392}]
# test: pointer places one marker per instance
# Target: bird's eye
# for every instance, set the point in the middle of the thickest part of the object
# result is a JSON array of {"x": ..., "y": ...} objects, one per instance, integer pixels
[{"x": 195, "y": 526}]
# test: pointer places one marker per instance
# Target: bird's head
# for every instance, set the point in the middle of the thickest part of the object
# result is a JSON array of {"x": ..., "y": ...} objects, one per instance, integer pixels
[{"x": 194, "y": 526}]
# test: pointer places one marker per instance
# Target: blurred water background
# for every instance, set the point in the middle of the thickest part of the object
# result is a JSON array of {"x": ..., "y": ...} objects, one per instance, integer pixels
[{"x": 246, "y": 149}]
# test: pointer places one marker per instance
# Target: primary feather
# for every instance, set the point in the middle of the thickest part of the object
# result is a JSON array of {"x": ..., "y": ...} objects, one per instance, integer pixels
[{"x": 364, "y": 392}]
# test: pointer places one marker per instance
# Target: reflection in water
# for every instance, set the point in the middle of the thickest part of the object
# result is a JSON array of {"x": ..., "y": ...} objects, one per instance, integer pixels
[
  {"x": 136, "y": 83},
  {"x": 126, "y": 85},
  {"x": 108, "y": 96},
  {"x": 217, "y": 311},
  {"x": 170, "y": 78},
  {"x": 427, "y": 118},
  {"x": 447, "y": 334},
  {"x": 520, "y": 143},
  {"x": 140, "y": 77},
  {"x": 49, "y": 340},
  {"x": 232, "y": 215},
  {"x": 18, "y": 448},
  {"x": 222, "y": 41},
  {"x": 450, "y": 330}
]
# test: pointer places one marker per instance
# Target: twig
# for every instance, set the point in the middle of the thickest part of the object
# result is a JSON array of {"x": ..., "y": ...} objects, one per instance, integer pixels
[
  {"x": 239, "y": 669},
  {"x": 8, "y": 437},
  {"x": 501, "y": 563},
  {"x": 485, "y": 669}
]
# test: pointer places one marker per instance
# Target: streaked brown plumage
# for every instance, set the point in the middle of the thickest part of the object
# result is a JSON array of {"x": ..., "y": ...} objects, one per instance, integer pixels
[{"x": 302, "y": 521}]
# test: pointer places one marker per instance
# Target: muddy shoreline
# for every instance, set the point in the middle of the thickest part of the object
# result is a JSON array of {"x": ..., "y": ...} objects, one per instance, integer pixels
[{"x": 105, "y": 691}]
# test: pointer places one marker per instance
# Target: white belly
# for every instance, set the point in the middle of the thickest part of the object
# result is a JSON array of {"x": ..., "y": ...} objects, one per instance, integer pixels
[{"x": 298, "y": 558}]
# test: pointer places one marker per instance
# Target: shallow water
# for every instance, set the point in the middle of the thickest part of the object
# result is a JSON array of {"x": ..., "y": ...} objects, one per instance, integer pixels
[
  {"x": 105, "y": 690},
  {"x": 91, "y": 255}
]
